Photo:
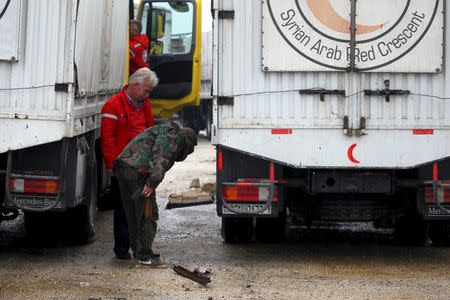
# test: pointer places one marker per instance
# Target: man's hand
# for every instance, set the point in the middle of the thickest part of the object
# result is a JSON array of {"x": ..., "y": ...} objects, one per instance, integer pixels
[
  {"x": 110, "y": 172},
  {"x": 147, "y": 191}
]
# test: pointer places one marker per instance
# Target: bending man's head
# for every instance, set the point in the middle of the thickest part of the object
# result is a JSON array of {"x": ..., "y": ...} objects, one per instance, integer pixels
[
  {"x": 141, "y": 84},
  {"x": 191, "y": 142}
]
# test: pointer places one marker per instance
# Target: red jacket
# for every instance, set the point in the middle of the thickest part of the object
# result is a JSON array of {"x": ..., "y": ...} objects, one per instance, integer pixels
[
  {"x": 138, "y": 52},
  {"x": 121, "y": 122}
]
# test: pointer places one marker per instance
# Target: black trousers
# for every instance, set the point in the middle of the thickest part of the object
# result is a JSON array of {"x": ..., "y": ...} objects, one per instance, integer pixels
[{"x": 121, "y": 238}]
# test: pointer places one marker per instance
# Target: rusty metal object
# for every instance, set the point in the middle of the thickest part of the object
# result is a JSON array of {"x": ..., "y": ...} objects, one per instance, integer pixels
[{"x": 202, "y": 279}]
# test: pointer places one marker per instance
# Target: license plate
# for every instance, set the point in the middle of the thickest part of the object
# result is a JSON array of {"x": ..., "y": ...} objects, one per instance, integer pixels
[
  {"x": 246, "y": 209},
  {"x": 434, "y": 211}
]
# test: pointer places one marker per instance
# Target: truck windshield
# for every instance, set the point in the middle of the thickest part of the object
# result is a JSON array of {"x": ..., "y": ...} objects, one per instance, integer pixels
[{"x": 170, "y": 29}]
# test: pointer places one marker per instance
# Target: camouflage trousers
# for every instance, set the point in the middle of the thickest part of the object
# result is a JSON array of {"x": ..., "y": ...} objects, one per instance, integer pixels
[{"x": 142, "y": 213}]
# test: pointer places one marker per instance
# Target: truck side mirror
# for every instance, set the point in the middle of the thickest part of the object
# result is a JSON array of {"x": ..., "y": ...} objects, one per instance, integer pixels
[
  {"x": 174, "y": 30},
  {"x": 157, "y": 48},
  {"x": 158, "y": 24},
  {"x": 180, "y": 7}
]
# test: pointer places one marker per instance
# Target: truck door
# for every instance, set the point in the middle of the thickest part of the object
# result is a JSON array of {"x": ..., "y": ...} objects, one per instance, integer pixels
[
  {"x": 174, "y": 32},
  {"x": 399, "y": 66},
  {"x": 387, "y": 53},
  {"x": 278, "y": 67}
]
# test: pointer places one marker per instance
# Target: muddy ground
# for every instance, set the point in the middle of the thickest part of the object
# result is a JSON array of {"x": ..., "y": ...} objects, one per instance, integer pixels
[{"x": 317, "y": 265}]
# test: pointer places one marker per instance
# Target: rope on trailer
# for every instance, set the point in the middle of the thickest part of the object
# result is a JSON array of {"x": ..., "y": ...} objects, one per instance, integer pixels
[{"x": 319, "y": 89}]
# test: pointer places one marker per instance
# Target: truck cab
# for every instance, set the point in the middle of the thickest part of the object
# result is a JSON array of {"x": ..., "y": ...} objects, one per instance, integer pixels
[{"x": 174, "y": 32}]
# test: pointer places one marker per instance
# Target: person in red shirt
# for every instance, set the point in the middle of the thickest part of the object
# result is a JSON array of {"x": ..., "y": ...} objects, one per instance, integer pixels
[
  {"x": 124, "y": 116},
  {"x": 138, "y": 47}
]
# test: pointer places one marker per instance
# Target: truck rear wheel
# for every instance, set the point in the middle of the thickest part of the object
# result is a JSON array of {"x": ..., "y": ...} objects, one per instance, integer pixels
[
  {"x": 440, "y": 233},
  {"x": 82, "y": 229},
  {"x": 42, "y": 227},
  {"x": 237, "y": 230},
  {"x": 270, "y": 230},
  {"x": 411, "y": 229},
  {"x": 82, "y": 217}
]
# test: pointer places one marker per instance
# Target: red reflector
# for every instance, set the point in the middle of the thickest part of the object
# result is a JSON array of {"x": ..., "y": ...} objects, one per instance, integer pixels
[
  {"x": 243, "y": 193},
  {"x": 281, "y": 131},
  {"x": 244, "y": 183},
  {"x": 29, "y": 186},
  {"x": 272, "y": 172},
  {"x": 435, "y": 171},
  {"x": 219, "y": 161},
  {"x": 423, "y": 131},
  {"x": 429, "y": 194}
]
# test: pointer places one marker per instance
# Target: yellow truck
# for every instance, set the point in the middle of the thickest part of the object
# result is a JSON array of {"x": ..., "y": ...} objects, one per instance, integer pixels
[{"x": 174, "y": 31}]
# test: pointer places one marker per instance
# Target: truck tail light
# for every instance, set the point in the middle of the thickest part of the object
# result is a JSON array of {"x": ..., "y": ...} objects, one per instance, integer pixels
[
  {"x": 429, "y": 194},
  {"x": 247, "y": 193},
  {"x": 29, "y": 186}
]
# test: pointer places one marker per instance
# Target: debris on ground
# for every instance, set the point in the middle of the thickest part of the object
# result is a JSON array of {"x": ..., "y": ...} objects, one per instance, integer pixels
[
  {"x": 197, "y": 277},
  {"x": 152, "y": 266},
  {"x": 197, "y": 195},
  {"x": 209, "y": 187},
  {"x": 85, "y": 284},
  {"x": 195, "y": 184},
  {"x": 202, "y": 271}
]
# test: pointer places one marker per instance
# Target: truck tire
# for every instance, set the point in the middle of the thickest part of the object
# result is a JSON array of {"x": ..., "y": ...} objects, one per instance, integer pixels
[
  {"x": 411, "y": 229},
  {"x": 42, "y": 227},
  {"x": 440, "y": 233},
  {"x": 237, "y": 230},
  {"x": 82, "y": 217},
  {"x": 270, "y": 230},
  {"x": 104, "y": 201}
]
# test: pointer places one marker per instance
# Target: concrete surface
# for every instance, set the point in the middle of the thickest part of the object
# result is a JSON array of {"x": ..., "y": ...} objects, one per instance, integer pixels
[{"x": 324, "y": 266}]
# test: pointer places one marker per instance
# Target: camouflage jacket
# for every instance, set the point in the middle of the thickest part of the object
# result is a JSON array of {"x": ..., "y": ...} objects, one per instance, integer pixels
[{"x": 154, "y": 151}]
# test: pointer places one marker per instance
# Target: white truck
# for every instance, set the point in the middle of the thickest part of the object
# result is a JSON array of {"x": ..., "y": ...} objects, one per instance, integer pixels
[
  {"x": 59, "y": 62},
  {"x": 332, "y": 111}
]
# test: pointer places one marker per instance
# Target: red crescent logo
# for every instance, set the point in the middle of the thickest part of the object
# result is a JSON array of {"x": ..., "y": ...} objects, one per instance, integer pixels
[
  {"x": 325, "y": 13},
  {"x": 350, "y": 154}
]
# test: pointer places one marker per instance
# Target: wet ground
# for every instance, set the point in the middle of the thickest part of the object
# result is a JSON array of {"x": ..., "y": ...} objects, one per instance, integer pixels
[{"x": 319, "y": 264}]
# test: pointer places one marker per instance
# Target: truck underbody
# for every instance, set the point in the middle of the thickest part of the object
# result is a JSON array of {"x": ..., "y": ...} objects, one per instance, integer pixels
[
  {"x": 401, "y": 199},
  {"x": 55, "y": 185}
]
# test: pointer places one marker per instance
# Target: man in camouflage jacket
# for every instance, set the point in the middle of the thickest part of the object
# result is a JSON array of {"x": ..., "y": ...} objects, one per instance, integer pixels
[{"x": 140, "y": 168}]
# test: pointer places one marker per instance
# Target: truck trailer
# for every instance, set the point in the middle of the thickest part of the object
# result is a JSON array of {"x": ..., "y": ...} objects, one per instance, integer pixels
[{"x": 332, "y": 111}]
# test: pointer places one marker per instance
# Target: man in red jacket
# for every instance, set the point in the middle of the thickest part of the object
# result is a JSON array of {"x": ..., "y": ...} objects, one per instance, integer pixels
[
  {"x": 124, "y": 116},
  {"x": 138, "y": 47}
]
